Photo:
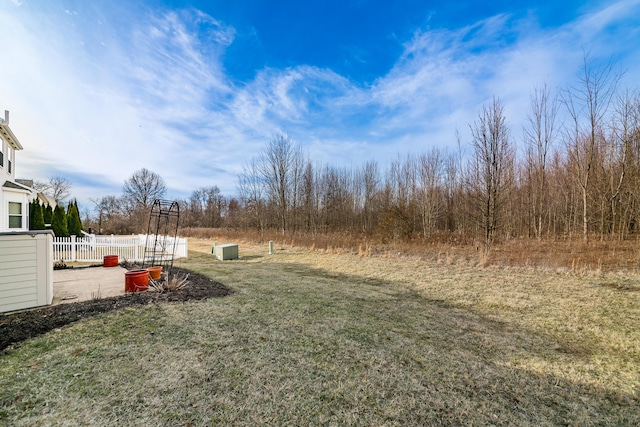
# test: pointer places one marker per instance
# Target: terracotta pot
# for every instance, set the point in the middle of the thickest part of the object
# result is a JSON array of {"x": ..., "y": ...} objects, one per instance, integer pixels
[
  {"x": 110, "y": 261},
  {"x": 155, "y": 272},
  {"x": 136, "y": 280}
]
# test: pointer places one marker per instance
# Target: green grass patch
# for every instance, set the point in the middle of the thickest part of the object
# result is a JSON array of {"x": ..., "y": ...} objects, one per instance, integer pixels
[{"x": 311, "y": 338}]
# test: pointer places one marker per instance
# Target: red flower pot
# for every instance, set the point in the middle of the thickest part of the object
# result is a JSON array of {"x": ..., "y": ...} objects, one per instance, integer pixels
[
  {"x": 136, "y": 280},
  {"x": 110, "y": 261},
  {"x": 155, "y": 272}
]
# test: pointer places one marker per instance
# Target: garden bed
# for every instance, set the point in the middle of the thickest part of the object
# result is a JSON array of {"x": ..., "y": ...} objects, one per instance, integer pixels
[{"x": 20, "y": 326}]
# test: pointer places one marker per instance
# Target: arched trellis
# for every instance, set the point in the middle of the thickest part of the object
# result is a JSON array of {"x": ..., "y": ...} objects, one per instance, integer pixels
[{"x": 162, "y": 235}]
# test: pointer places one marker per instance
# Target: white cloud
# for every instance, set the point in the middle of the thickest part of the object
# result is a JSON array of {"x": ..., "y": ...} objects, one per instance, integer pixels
[
  {"x": 101, "y": 93},
  {"x": 111, "y": 111},
  {"x": 444, "y": 76}
]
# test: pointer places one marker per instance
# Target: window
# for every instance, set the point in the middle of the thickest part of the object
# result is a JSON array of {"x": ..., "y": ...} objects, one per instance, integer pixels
[
  {"x": 15, "y": 215},
  {"x": 1, "y": 155}
]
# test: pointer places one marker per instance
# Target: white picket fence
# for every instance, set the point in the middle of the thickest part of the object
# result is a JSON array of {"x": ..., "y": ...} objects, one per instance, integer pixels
[{"x": 92, "y": 248}]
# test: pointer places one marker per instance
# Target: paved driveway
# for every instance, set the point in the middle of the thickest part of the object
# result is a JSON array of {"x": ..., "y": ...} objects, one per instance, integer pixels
[{"x": 82, "y": 284}]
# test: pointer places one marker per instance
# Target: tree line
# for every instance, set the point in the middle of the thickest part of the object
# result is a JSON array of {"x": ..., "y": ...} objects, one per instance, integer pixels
[
  {"x": 573, "y": 172},
  {"x": 577, "y": 175}
]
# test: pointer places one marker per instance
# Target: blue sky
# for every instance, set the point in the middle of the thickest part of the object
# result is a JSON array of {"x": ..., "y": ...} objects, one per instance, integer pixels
[{"x": 193, "y": 89}]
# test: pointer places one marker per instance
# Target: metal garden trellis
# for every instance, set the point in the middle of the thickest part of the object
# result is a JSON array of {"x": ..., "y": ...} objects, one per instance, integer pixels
[{"x": 162, "y": 235}]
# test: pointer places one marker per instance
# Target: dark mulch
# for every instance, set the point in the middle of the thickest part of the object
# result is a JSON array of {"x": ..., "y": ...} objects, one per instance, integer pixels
[{"x": 20, "y": 326}]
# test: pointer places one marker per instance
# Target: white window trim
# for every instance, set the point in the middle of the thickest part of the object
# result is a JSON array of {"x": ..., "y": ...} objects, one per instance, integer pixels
[{"x": 10, "y": 215}]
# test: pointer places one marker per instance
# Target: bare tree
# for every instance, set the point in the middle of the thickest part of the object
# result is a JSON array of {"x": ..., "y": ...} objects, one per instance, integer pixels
[
  {"x": 491, "y": 171},
  {"x": 587, "y": 104},
  {"x": 452, "y": 183},
  {"x": 336, "y": 199},
  {"x": 431, "y": 166},
  {"x": 251, "y": 189},
  {"x": 139, "y": 193},
  {"x": 57, "y": 187},
  {"x": 278, "y": 165},
  {"x": 110, "y": 215},
  {"x": 100, "y": 211},
  {"x": 206, "y": 206},
  {"x": 142, "y": 188},
  {"x": 309, "y": 199},
  {"x": 617, "y": 157},
  {"x": 296, "y": 186},
  {"x": 400, "y": 207},
  {"x": 539, "y": 134},
  {"x": 41, "y": 186},
  {"x": 371, "y": 189}
]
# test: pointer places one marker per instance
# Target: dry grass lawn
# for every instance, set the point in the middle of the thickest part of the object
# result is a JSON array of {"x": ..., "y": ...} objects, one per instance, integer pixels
[{"x": 318, "y": 338}]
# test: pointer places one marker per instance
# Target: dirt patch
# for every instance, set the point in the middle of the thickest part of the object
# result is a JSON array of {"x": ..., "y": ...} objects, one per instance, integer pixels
[{"x": 20, "y": 326}]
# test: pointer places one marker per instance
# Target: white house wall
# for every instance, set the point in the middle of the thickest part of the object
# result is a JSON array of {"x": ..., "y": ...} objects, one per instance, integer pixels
[
  {"x": 9, "y": 194},
  {"x": 9, "y": 154},
  {"x": 18, "y": 197}
]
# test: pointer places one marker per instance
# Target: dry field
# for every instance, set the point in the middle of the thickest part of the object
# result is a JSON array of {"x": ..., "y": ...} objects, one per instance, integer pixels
[{"x": 326, "y": 338}]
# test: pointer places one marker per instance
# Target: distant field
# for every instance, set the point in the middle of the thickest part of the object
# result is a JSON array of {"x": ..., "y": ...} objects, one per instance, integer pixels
[
  {"x": 326, "y": 338},
  {"x": 570, "y": 254}
]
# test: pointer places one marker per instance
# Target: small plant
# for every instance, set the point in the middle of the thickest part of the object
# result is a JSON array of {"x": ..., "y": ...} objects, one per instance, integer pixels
[
  {"x": 96, "y": 295},
  {"x": 164, "y": 284},
  {"x": 60, "y": 265}
]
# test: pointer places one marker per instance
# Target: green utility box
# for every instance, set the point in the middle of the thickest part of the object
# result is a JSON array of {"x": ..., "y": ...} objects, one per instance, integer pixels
[{"x": 226, "y": 252}]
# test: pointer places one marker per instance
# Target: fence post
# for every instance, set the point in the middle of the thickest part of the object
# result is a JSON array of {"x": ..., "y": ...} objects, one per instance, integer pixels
[{"x": 73, "y": 248}]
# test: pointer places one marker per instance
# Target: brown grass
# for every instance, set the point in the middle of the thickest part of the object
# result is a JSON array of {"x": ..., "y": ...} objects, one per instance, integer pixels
[
  {"x": 573, "y": 255},
  {"x": 319, "y": 338}
]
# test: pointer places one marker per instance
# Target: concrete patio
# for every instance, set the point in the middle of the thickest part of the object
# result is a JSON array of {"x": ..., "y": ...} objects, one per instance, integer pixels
[{"x": 82, "y": 284}]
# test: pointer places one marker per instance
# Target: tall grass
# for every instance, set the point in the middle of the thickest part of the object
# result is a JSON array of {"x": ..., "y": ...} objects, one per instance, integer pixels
[{"x": 570, "y": 254}]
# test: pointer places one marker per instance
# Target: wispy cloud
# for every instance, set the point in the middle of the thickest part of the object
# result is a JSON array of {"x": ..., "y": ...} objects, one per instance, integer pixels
[
  {"x": 99, "y": 93},
  {"x": 116, "y": 96}
]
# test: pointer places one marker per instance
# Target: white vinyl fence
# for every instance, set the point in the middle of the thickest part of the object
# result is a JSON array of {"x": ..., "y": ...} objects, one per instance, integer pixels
[{"x": 92, "y": 248}]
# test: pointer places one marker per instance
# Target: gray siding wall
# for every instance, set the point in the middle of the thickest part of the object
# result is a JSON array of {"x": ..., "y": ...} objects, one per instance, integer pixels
[{"x": 26, "y": 270}]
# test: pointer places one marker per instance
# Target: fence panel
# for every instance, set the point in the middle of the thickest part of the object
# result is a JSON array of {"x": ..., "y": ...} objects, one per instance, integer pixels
[{"x": 93, "y": 248}]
